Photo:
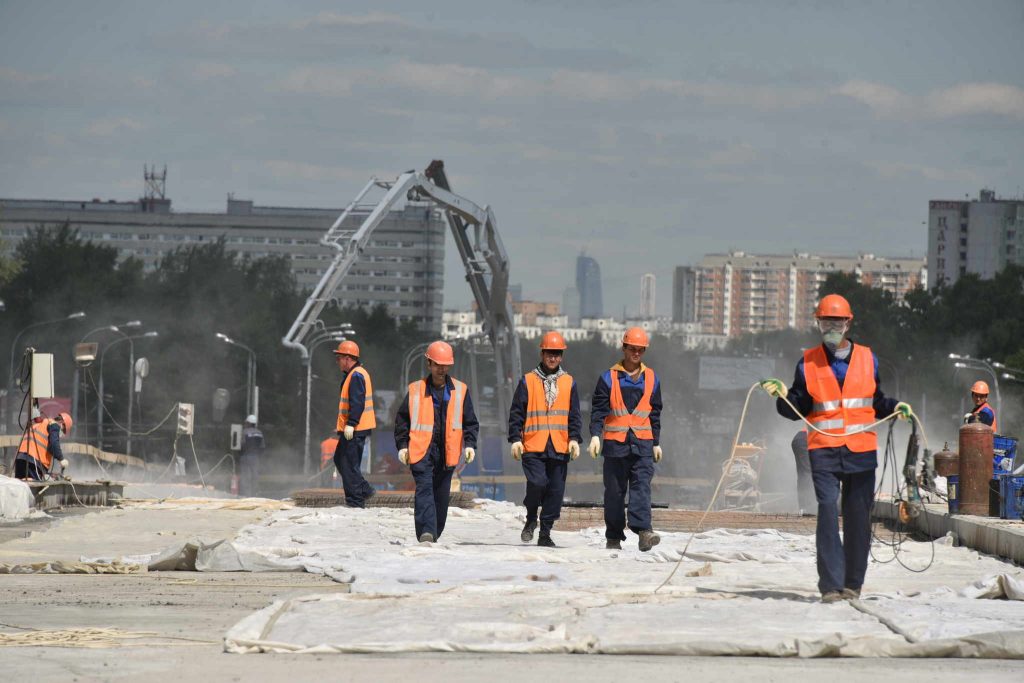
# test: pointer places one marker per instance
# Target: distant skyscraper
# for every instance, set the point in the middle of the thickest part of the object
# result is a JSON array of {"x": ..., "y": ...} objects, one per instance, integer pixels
[
  {"x": 571, "y": 305},
  {"x": 647, "y": 295},
  {"x": 684, "y": 282},
  {"x": 588, "y": 283}
]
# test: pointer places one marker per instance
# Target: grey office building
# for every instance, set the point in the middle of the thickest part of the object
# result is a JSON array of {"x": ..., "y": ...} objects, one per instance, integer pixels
[
  {"x": 588, "y": 284},
  {"x": 402, "y": 266}
]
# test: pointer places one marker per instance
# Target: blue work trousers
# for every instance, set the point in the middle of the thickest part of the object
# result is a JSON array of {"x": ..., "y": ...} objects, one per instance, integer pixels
[
  {"x": 632, "y": 473},
  {"x": 433, "y": 489},
  {"x": 348, "y": 456},
  {"x": 545, "y": 487},
  {"x": 843, "y": 563},
  {"x": 248, "y": 475}
]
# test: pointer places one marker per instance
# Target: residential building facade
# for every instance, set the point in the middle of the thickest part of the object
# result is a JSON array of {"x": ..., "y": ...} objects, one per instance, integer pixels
[{"x": 979, "y": 236}]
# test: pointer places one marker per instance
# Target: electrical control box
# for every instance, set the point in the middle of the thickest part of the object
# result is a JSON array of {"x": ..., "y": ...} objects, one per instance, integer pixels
[
  {"x": 42, "y": 375},
  {"x": 236, "y": 437}
]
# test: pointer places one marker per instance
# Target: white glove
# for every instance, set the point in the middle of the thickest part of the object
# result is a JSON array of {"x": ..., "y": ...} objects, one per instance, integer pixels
[
  {"x": 64, "y": 464},
  {"x": 574, "y": 450},
  {"x": 657, "y": 454},
  {"x": 403, "y": 456},
  {"x": 350, "y": 431},
  {"x": 469, "y": 453},
  {"x": 595, "y": 446},
  {"x": 517, "y": 450}
]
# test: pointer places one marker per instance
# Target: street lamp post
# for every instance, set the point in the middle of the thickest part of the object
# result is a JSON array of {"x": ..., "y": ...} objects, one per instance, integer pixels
[
  {"x": 106, "y": 328},
  {"x": 251, "y": 405},
  {"x": 131, "y": 370},
  {"x": 14, "y": 345}
]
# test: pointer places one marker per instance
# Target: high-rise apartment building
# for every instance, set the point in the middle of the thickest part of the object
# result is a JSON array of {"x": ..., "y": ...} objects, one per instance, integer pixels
[
  {"x": 979, "y": 236},
  {"x": 647, "y": 283},
  {"x": 588, "y": 284},
  {"x": 683, "y": 283},
  {"x": 740, "y": 293},
  {"x": 401, "y": 267}
]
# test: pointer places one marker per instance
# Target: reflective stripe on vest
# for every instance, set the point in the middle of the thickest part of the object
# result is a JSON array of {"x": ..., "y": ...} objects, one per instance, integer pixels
[
  {"x": 986, "y": 405},
  {"x": 36, "y": 443},
  {"x": 421, "y": 422},
  {"x": 844, "y": 413},
  {"x": 542, "y": 423},
  {"x": 368, "y": 419},
  {"x": 620, "y": 420}
]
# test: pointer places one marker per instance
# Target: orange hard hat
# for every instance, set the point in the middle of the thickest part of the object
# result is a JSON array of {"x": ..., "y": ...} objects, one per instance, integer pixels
[
  {"x": 441, "y": 353},
  {"x": 980, "y": 388},
  {"x": 553, "y": 341},
  {"x": 636, "y": 336},
  {"x": 348, "y": 348},
  {"x": 66, "y": 419},
  {"x": 833, "y": 306}
]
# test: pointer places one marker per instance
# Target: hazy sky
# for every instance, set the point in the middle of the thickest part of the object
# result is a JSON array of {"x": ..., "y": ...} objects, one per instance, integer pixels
[{"x": 647, "y": 133}]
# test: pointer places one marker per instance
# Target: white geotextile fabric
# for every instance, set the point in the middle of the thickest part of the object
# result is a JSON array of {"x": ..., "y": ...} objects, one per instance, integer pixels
[
  {"x": 16, "y": 500},
  {"x": 480, "y": 589}
]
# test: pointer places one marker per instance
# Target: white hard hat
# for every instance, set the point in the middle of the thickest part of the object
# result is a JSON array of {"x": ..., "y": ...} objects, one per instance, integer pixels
[
  {"x": 250, "y": 420},
  {"x": 35, "y": 412}
]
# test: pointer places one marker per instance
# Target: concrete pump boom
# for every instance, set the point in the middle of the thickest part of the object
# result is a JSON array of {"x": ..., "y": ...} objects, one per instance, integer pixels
[{"x": 482, "y": 253}]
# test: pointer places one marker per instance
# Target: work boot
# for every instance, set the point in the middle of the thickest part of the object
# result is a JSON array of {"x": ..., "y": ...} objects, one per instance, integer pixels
[
  {"x": 613, "y": 544},
  {"x": 545, "y": 541},
  {"x": 832, "y": 596},
  {"x": 851, "y": 594},
  {"x": 648, "y": 539},
  {"x": 527, "y": 535},
  {"x": 426, "y": 537}
]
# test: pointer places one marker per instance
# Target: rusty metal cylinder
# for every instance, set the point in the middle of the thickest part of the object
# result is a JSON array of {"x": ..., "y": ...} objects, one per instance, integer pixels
[
  {"x": 975, "y": 468},
  {"x": 947, "y": 462}
]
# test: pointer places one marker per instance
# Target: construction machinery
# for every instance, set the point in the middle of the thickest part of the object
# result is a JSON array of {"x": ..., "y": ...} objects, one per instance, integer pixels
[{"x": 475, "y": 232}]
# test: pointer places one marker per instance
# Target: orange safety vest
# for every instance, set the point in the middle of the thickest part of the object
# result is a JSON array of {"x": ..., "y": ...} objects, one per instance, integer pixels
[
  {"x": 619, "y": 420},
  {"x": 543, "y": 422},
  {"x": 36, "y": 443},
  {"x": 843, "y": 412},
  {"x": 327, "y": 449},
  {"x": 421, "y": 422},
  {"x": 367, "y": 420},
  {"x": 986, "y": 405}
]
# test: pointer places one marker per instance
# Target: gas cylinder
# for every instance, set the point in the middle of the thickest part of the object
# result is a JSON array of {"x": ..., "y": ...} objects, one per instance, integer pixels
[
  {"x": 234, "y": 484},
  {"x": 975, "y": 468},
  {"x": 947, "y": 462}
]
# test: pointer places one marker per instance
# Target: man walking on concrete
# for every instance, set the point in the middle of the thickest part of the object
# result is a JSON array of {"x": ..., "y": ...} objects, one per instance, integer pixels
[
  {"x": 253, "y": 446},
  {"x": 356, "y": 419}
]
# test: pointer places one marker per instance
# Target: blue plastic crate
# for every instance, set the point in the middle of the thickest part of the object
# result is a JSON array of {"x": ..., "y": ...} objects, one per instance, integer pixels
[
  {"x": 1011, "y": 492},
  {"x": 1004, "y": 453}
]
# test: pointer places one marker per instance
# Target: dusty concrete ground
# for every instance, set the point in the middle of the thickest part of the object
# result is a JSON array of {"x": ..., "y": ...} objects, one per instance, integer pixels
[{"x": 201, "y": 606}]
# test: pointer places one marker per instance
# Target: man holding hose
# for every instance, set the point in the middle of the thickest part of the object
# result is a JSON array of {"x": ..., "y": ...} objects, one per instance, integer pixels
[{"x": 836, "y": 388}]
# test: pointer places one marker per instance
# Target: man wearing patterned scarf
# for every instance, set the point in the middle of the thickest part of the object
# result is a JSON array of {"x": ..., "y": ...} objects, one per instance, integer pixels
[{"x": 544, "y": 424}]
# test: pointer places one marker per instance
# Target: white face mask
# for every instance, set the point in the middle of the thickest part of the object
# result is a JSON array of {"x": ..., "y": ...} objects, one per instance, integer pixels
[{"x": 832, "y": 332}]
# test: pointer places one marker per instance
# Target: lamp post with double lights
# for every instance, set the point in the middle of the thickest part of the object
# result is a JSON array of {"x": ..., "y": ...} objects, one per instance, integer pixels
[
  {"x": 131, "y": 372},
  {"x": 85, "y": 356},
  {"x": 14, "y": 346},
  {"x": 251, "y": 401},
  {"x": 964, "y": 361}
]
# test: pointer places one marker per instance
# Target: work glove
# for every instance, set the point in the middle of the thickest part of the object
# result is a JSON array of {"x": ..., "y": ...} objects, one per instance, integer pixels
[
  {"x": 350, "y": 431},
  {"x": 904, "y": 411},
  {"x": 595, "y": 446},
  {"x": 469, "y": 454},
  {"x": 403, "y": 456},
  {"x": 774, "y": 387},
  {"x": 64, "y": 464},
  {"x": 657, "y": 454},
  {"x": 574, "y": 450},
  {"x": 517, "y": 450}
]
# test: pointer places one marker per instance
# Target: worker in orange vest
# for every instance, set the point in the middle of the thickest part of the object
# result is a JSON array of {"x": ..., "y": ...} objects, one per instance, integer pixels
[
  {"x": 982, "y": 411},
  {"x": 625, "y": 427},
  {"x": 356, "y": 420},
  {"x": 544, "y": 424},
  {"x": 434, "y": 427},
  {"x": 40, "y": 447},
  {"x": 836, "y": 387},
  {"x": 328, "y": 447}
]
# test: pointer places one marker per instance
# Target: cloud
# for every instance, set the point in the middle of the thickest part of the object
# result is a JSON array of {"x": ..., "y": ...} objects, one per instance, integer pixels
[
  {"x": 299, "y": 170},
  {"x": 734, "y": 155},
  {"x": 964, "y": 99},
  {"x": 22, "y": 77},
  {"x": 898, "y": 170},
  {"x": 115, "y": 126},
  {"x": 207, "y": 71}
]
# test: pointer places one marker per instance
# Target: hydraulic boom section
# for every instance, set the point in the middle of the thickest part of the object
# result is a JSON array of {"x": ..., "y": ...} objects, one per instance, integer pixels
[{"x": 483, "y": 255}]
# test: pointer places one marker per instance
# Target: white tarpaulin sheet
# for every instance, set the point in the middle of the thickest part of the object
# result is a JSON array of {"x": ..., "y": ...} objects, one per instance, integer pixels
[
  {"x": 16, "y": 499},
  {"x": 479, "y": 589}
]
